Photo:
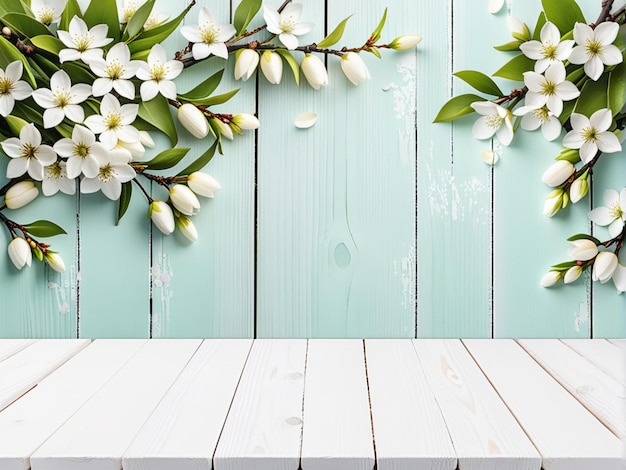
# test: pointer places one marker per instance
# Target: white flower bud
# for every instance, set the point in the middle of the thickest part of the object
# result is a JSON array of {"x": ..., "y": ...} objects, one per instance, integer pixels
[
  {"x": 162, "y": 216},
  {"x": 604, "y": 266},
  {"x": 245, "y": 121},
  {"x": 184, "y": 199},
  {"x": 55, "y": 261},
  {"x": 272, "y": 67},
  {"x": 203, "y": 184},
  {"x": 572, "y": 274},
  {"x": 314, "y": 71},
  {"x": 224, "y": 128},
  {"x": 20, "y": 252},
  {"x": 578, "y": 189},
  {"x": 187, "y": 228},
  {"x": 146, "y": 139},
  {"x": 354, "y": 68},
  {"x": 193, "y": 120},
  {"x": 135, "y": 149},
  {"x": 406, "y": 42},
  {"x": 583, "y": 250},
  {"x": 246, "y": 64},
  {"x": 518, "y": 29},
  {"x": 550, "y": 278},
  {"x": 20, "y": 194},
  {"x": 558, "y": 173},
  {"x": 553, "y": 203}
]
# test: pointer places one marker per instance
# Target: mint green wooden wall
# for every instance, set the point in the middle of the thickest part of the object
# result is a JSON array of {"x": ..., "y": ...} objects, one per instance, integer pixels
[{"x": 373, "y": 223}]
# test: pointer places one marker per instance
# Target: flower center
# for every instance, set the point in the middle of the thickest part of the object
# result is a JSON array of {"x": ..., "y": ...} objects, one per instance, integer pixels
[
  {"x": 589, "y": 134},
  {"x": 615, "y": 211},
  {"x": 45, "y": 15},
  {"x": 159, "y": 71},
  {"x": 494, "y": 120},
  {"x": 130, "y": 8},
  {"x": 115, "y": 69},
  {"x": 61, "y": 97},
  {"x": 113, "y": 121},
  {"x": 107, "y": 173},
  {"x": 287, "y": 25},
  {"x": 209, "y": 33},
  {"x": 593, "y": 46},
  {"x": 549, "y": 88},
  {"x": 82, "y": 41},
  {"x": 29, "y": 151},
  {"x": 6, "y": 86},
  {"x": 549, "y": 51},
  {"x": 542, "y": 114},
  {"x": 55, "y": 170},
  {"x": 81, "y": 150}
]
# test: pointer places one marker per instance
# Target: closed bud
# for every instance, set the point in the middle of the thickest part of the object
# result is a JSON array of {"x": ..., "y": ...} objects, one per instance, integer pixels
[
  {"x": 354, "y": 68},
  {"x": 578, "y": 189},
  {"x": 20, "y": 253},
  {"x": 20, "y": 194},
  {"x": 553, "y": 203},
  {"x": 193, "y": 120},
  {"x": 55, "y": 261},
  {"x": 518, "y": 29},
  {"x": 604, "y": 266},
  {"x": 558, "y": 173},
  {"x": 272, "y": 67},
  {"x": 203, "y": 184},
  {"x": 223, "y": 128},
  {"x": 146, "y": 139},
  {"x": 162, "y": 216},
  {"x": 406, "y": 42},
  {"x": 245, "y": 121},
  {"x": 550, "y": 278},
  {"x": 135, "y": 148},
  {"x": 187, "y": 227},
  {"x": 314, "y": 71},
  {"x": 583, "y": 250},
  {"x": 246, "y": 64},
  {"x": 184, "y": 200},
  {"x": 572, "y": 274}
]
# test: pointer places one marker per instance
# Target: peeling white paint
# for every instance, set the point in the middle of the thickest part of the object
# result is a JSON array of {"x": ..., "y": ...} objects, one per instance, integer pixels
[
  {"x": 161, "y": 275},
  {"x": 405, "y": 270},
  {"x": 581, "y": 317}
]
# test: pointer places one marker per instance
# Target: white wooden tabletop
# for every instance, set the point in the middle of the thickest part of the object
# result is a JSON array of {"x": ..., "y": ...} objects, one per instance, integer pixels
[{"x": 436, "y": 404}]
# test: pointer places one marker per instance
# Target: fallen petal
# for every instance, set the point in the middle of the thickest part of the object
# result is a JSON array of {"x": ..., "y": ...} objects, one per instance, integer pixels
[{"x": 305, "y": 120}]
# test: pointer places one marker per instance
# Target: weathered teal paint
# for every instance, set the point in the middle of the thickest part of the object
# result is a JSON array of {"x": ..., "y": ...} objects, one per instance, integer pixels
[{"x": 374, "y": 222}]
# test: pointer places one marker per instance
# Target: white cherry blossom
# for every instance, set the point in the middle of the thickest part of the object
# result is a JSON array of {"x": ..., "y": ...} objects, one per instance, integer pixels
[
  {"x": 208, "y": 37},
  {"x": 614, "y": 212},
  {"x": 62, "y": 99},
  {"x": 55, "y": 179},
  {"x": 595, "y": 47},
  {"x": 48, "y": 11},
  {"x": 115, "y": 72},
  {"x": 495, "y": 120},
  {"x": 83, "y": 43},
  {"x": 12, "y": 88},
  {"x": 113, "y": 170},
  {"x": 549, "y": 50},
  {"x": 156, "y": 19},
  {"x": 533, "y": 118},
  {"x": 549, "y": 89},
  {"x": 592, "y": 134},
  {"x": 28, "y": 154},
  {"x": 114, "y": 121},
  {"x": 286, "y": 24},
  {"x": 81, "y": 151},
  {"x": 128, "y": 8},
  {"x": 157, "y": 74}
]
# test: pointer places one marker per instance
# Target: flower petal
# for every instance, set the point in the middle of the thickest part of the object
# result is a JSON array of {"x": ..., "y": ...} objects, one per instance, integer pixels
[
  {"x": 12, "y": 147},
  {"x": 74, "y": 113},
  {"x": 606, "y": 32},
  {"x": 168, "y": 89},
  {"x": 578, "y": 55},
  {"x": 102, "y": 86},
  {"x": 17, "y": 167},
  {"x": 567, "y": 91},
  {"x": 600, "y": 216},
  {"x": 200, "y": 50},
  {"x": 89, "y": 185},
  {"x": 582, "y": 33},
  {"x": 579, "y": 121},
  {"x": 112, "y": 189},
  {"x": 610, "y": 197},
  {"x": 125, "y": 88},
  {"x": 21, "y": 90},
  {"x": 148, "y": 90},
  {"x": 52, "y": 117},
  {"x": 191, "y": 33},
  {"x": 289, "y": 40},
  {"x": 615, "y": 228},
  {"x": 611, "y": 55},
  {"x": 6, "y": 104},
  {"x": 14, "y": 71},
  {"x": 46, "y": 155},
  {"x": 594, "y": 68},
  {"x": 481, "y": 130},
  {"x": 532, "y": 50},
  {"x": 551, "y": 129},
  {"x": 550, "y": 33},
  {"x": 588, "y": 151}
]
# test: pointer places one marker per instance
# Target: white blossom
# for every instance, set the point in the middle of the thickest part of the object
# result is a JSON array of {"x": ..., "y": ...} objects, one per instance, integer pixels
[
  {"x": 604, "y": 266},
  {"x": 162, "y": 216},
  {"x": 533, "y": 118},
  {"x": 62, "y": 99},
  {"x": 495, "y": 120},
  {"x": 157, "y": 74},
  {"x": 20, "y": 194},
  {"x": 187, "y": 227},
  {"x": 203, "y": 184},
  {"x": 405, "y": 42},
  {"x": 12, "y": 88},
  {"x": 272, "y": 67},
  {"x": 614, "y": 212},
  {"x": 354, "y": 68},
  {"x": 549, "y": 89},
  {"x": 619, "y": 278},
  {"x": 550, "y": 278},
  {"x": 314, "y": 71},
  {"x": 28, "y": 154},
  {"x": 156, "y": 19},
  {"x": 82, "y": 152},
  {"x": 112, "y": 172},
  {"x": 55, "y": 179},
  {"x": 595, "y": 47},
  {"x": 115, "y": 72},
  {"x": 592, "y": 134},
  {"x": 208, "y": 37},
  {"x": 549, "y": 50},
  {"x": 558, "y": 173},
  {"x": 47, "y": 11},
  {"x": 55, "y": 261},
  {"x": 246, "y": 64},
  {"x": 583, "y": 250},
  {"x": 193, "y": 120},
  {"x": 572, "y": 274},
  {"x": 114, "y": 121},
  {"x": 286, "y": 24},
  {"x": 128, "y": 8},
  {"x": 83, "y": 43},
  {"x": 20, "y": 252},
  {"x": 184, "y": 200}
]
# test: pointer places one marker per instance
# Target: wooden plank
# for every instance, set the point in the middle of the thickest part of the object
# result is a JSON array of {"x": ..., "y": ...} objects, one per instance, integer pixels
[
  {"x": 264, "y": 427},
  {"x": 566, "y": 434},
  {"x": 595, "y": 390},
  {"x": 603, "y": 354},
  {"x": 97, "y": 435},
  {"x": 27, "y": 368},
  {"x": 409, "y": 430},
  {"x": 620, "y": 343},
  {"x": 8, "y": 347},
  {"x": 32, "y": 419},
  {"x": 484, "y": 433},
  {"x": 337, "y": 430},
  {"x": 183, "y": 430}
]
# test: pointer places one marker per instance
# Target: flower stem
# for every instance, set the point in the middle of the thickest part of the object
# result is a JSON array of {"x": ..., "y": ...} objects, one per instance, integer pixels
[{"x": 143, "y": 190}]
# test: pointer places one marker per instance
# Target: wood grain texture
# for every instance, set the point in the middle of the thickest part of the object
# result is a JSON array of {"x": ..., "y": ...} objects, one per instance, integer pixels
[
  {"x": 484, "y": 433},
  {"x": 597, "y": 391},
  {"x": 9, "y": 347},
  {"x": 337, "y": 432},
  {"x": 264, "y": 427},
  {"x": 25, "y": 369},
  {"x": 409, "y": 430},
  {"x": 97, "y": 435},
  {"x": 567, "y": 435},
  {"x": 31, "y": 420},
  {"x": 183, "y": 430},
  {"x": 604, "y": 355}
]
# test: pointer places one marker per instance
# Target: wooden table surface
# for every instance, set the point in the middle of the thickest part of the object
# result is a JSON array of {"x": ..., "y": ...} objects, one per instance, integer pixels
[{"x": 316, "y": 404}]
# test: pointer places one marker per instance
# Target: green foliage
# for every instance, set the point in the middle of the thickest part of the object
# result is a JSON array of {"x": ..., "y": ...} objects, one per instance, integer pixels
[
  {"x": 204, "y": 89},
  {"x": 334, "y": 37},
  {"x": 136, "y": 22},
  {"x": 244, "y": 14},
  {"x": 145, "y": 40},
  {"x": 124, "y": 202},
  {"x": 201, "y": 161},
  {"x": 217, "y": 99},
  {"x": 514, "y": 69},
  {"x": 617, "y": 88},
  {"x": 44, "y": 228},
  {"x": 71, "y": 10},
  {"x": 457, "y": 107},
  {"x": 563, "y": 13},
  {"x": 103, "y": 12},
  {"x": 480, "y": 82},
  {"x": 583, "y": 236},
  {"x": 292, "y": 62},
  {"x": 25, "y": 25},
  {"x": 156, "y": 112},
  {"x": 167, "y": 159},
  {"x": 593, "y": 96},
  {"x": 9, "y": 53},
  {"x": 512, "y": 46},
  {"x": 49, "y": 44},
  {"x": 379, "y": 29}
]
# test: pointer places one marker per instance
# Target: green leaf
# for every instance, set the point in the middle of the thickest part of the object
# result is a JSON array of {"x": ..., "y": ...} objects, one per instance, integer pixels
[
  {"x": 292, "y": 62},
  {"x": 563, "y": 13},
  {"x": 457, "y": 107},
  {"x": 541, "y": 20},
  {"x": 563, "y": 266},
  {"x": 15, "y": 123},
  {"x": 201, "y": 161},
  {"x": 514, "y": 69},
  {"x": 44, "y": 228},
  {"x": 583, "y": 236},
  {"x": 204, "y": 89},
  {"x": 568, "y": 107},
  {"x": 9, "y": 53},
  {"x": 593, "y": 96},
  {"x": 512, "y": 46},
  {"x": 13, "y": 6},
  {"x": 480, "y": 82},
  {"x": 127, "y": 192},
  {"x": 217, "y": 99},
  {"x": 48, "y": 43},
  {"x": 149, "y": 38},
  {"x": 139, "y": 18},
  {"x": 166, "y": 159},
  {"x": 379, "y": 29},
  {"x": 38, "y": 253},
  {"x": 244, "y": 14},
  {"x": 72, "y": 9},
  {"x": 334, "y": 37},
  {"x": 103, "y": 12},
  {"x": 79, "y": 72},
  {"x": 375, "y": 51},
  {"x": 26, "y": 25},
  {"x": 157, "y": 113},
  {"x": 29, "y": 114},
  {"x": 617, "y": 88}
]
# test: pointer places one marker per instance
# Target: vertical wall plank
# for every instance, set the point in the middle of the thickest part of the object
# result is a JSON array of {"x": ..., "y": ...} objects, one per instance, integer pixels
[{"x": 206, "y": 288}]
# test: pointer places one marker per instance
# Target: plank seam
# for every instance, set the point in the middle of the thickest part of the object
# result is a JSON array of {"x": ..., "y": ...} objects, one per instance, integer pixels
[
  {"x": 306, "y": 358},
  {"x": 369, "y": 403}
]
